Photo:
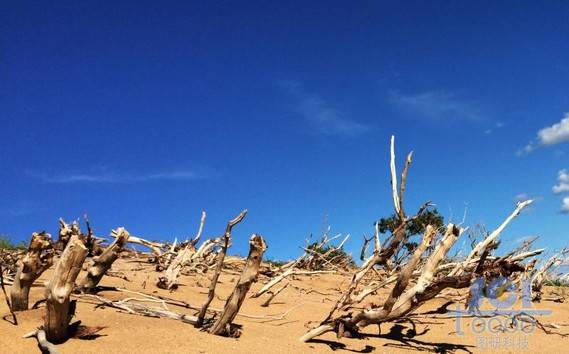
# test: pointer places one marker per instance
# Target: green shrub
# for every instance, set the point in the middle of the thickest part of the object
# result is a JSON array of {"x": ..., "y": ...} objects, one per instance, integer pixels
[{"x": 6, "y": 243}]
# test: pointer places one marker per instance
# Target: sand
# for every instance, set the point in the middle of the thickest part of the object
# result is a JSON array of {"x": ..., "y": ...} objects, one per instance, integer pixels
[{"x": 127, "y": 333}]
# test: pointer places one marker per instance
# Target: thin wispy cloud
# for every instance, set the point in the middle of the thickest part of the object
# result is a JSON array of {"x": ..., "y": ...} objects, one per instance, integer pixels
[
  {"x": 181, "y": 175},
  {"x": 555, "y": 134},
  {"x": 320, "y": 114},
  {"x": 435, "y": 105},
  {"x": 23, "y": 208},
  {"x": 497, "y": 126}
]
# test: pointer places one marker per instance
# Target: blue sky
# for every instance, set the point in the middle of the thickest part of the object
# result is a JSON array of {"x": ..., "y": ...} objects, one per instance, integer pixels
[{"x": 143, "y": 114}]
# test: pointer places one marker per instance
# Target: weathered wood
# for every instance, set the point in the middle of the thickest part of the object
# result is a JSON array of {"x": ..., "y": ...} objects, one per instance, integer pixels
[
  {"x": 59, "y": 310},
  {"x": 14, "y": 318},
  {"x": 156, "y": 247},
  {"x": 539, "y": 277},
  {"x": 45, "y": 346},
  {"x": 409, "y": 293},
  {"x": 274, "y": 294},
  {"x": 223, "y": 324},
  {"x": 219, "y": 265},
  {"x": 102, "y": 263},
  {"x": 38, "y": 258},
  {"x": 66, "y": 231},
  {"x": 169, "y": 279}
]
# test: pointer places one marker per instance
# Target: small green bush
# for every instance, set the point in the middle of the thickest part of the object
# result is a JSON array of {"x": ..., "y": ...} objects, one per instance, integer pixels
[{"x": 6, "y": 243}]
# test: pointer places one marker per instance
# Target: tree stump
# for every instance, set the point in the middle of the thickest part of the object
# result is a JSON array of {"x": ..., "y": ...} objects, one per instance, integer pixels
[
  {"x": 59, "y": 307},
  {"x": 102, "y": 263},
  {"x": 38, "y": 258},
  {"x": 223, "y": 324}
]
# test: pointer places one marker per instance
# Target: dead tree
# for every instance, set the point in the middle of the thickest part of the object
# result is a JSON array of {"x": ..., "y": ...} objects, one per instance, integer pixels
[
  {"x": 60, "y": 309},
  {"x": 102, "y": 263},
  {"x": 38, "y": 258},
  {"x": 540, "y": 275},
  {"x": 169, "y": 279},
  {"x": 66, "y": 231},
  {"x": 421, "y": 277},
  {"x": 222, "y": 325},
  {"x": 91, "y": 241},
  {"x": 10, "y": 308},
  {"x": 220, "y": 257},
  {"x": 156, "y": 247},
  {"x": 318, "y": 257}
]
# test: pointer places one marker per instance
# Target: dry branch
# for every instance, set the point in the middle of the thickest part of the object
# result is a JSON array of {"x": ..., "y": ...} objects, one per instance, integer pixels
[
  {"x": 274, "y": 294},
  {"x": 223, "y": 324},
  {"x": 102, "y": 263},
  {"x": 409, "y": 292},
  {"x": 219, "y": 265},
  {"x": 480, "y": 247},
  {"x": 539, "y": 277},
  {"x": 156, "y": 247},
  {"x": 169, "y": 279}
]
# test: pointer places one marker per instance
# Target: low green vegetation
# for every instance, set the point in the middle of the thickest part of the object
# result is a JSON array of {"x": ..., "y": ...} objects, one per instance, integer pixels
[{"x": 6, "y": 243}]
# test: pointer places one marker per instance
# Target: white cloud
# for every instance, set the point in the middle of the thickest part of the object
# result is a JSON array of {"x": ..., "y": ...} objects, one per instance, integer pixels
[
  {"x": 439, "y": 105},
  {"x": 565, "y": 205},
  {"x": 555, "y": 134},
  {"x": 497, "y": 126},
  {"x": 322, "y": 116},
  {"x": 552, "y": 135},
  {"x": 563, "y": 182},
  {"x": 110, "y": 177}
]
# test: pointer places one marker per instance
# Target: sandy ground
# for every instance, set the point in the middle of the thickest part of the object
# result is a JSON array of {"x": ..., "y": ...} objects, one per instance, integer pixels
[{"x": 126, "y": 333}]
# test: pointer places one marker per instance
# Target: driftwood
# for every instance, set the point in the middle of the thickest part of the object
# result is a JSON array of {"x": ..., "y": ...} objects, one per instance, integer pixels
[
  {"x": 219, "y": 265},
  {"x": 45, "y": 346},
  {"x": 38, "y": 258},
  {"x": 169, "y": 279},
  {"x": 133, "y": 306},
  {"x": 156, "y": 247},
  {"x": 223, "y": 324},
  {"x": 287, "y": 273},
  {"x": 539, "y": 275},
  {"x": 14, "y": 318},
  {"x": 102, "y": 263},
  {"x": 274, "y": 294},
  {"x": 60, "y": 309},
  {"x": 317, "y": 258},
  {"x": 66, "y": 231}
]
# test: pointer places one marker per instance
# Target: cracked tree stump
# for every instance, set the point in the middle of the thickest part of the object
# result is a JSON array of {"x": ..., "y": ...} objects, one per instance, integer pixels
[
  {"x": 223, "y": 324},
  {"x": 38, "y": 258},
  {"x": 101, "y": 264},
  {"x": 60, "y": 309}
]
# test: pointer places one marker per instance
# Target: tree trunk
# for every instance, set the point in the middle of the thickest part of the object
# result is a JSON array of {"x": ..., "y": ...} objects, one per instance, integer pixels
[
  {"x": 249, "y": 275},
  {"x": 59, "y": 310},
  {"x": 30, "y": 267},
  {"x": 102, "y": 263}
]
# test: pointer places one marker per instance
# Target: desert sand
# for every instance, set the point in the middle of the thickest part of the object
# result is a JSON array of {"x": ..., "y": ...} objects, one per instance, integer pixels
[{"x": 273, "y": 329}]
